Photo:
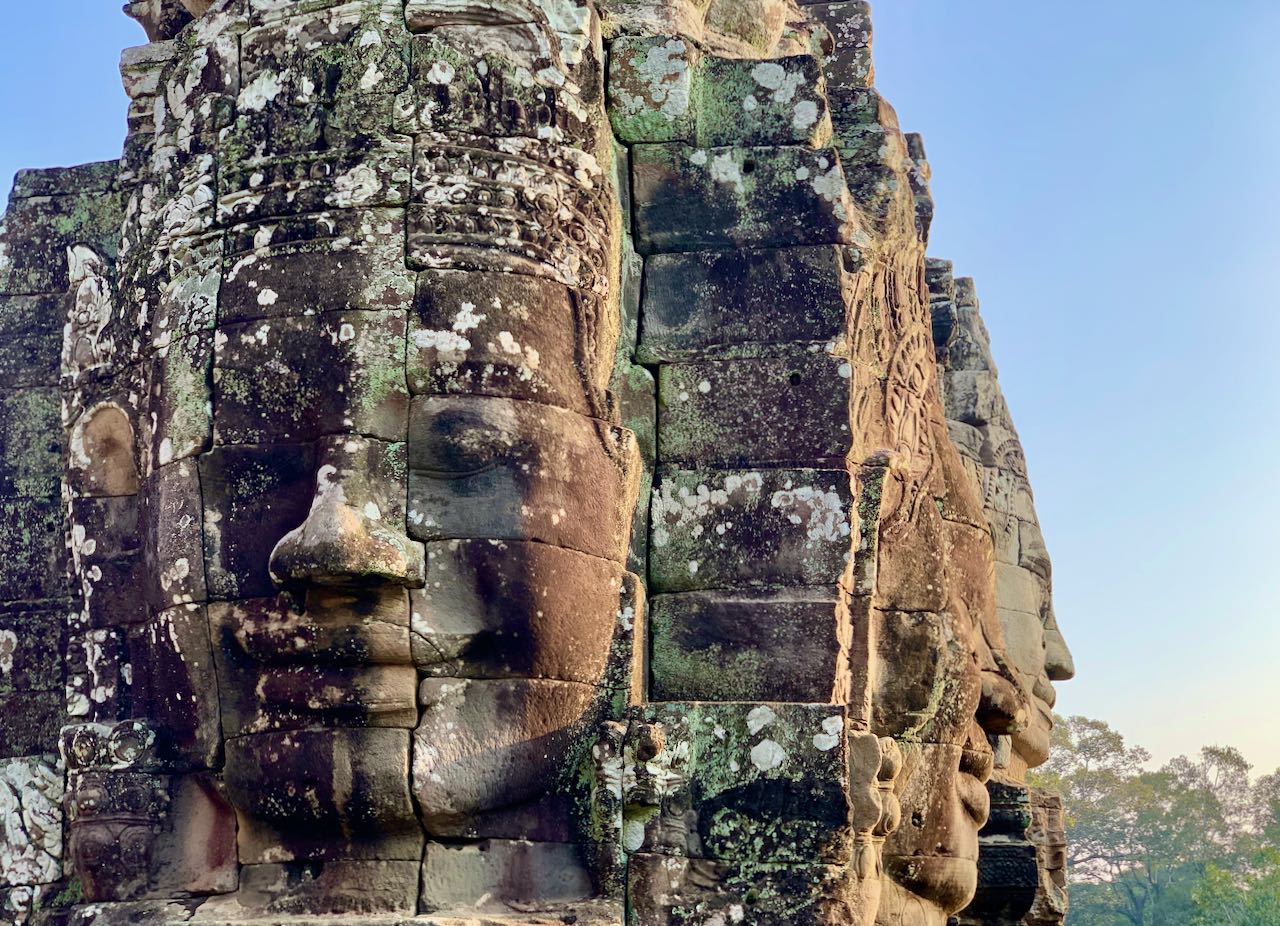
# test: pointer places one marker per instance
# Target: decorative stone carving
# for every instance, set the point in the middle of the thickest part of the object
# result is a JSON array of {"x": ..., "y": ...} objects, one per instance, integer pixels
[{"x": 510, "y": 473}]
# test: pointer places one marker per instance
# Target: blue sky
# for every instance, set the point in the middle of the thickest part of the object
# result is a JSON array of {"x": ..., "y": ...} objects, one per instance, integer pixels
[{"x": 1108, "y": 173}]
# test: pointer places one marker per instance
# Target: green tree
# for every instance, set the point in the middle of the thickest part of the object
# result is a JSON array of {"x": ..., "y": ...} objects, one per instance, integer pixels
[
  {"x": 1140, "y": 841},
  {"x": 1225, "y": 898}
]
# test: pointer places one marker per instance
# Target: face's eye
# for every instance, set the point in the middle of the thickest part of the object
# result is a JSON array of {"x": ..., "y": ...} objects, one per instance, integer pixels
[{"x": 453, "y": 438}]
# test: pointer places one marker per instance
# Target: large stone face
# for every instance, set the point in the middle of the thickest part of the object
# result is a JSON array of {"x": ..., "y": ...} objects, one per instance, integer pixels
[{"x": 509, "y": 461}]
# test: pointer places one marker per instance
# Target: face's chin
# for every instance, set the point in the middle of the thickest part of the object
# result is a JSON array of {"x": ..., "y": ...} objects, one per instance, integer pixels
[{"x": 925, "y": 890}]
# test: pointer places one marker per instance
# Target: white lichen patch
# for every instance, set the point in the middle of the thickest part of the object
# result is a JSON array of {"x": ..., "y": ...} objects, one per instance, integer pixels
[
  {"x": 829, "y": 738},
  {"x": 30, "y": 821},
  {"x": 725, "y": 169},
  {"x": 357, "y": 187},
  {"x": 8, "y": 648},
  {"x": 759, "y": 718},
  {"x": 767, "y": 755},
  {"x": 821, "y": 513},
  {"x": 684, "y": 510},
  {"x": 260, "y": 91}
]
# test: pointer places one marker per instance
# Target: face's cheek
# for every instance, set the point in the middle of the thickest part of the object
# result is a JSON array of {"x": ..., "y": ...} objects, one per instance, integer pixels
[{"x": 521, "y": 629}]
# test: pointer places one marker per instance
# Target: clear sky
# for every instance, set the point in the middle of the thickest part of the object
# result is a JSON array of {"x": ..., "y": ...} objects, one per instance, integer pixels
[{"x": 1109, "y": 172}]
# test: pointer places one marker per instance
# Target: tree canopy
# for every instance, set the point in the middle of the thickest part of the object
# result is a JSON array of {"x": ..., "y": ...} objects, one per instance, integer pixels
[{"x": 1193, "y": 843}]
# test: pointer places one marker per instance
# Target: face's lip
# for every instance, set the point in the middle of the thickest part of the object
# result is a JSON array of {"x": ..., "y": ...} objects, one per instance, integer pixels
[{"x": 945, "y": 880}]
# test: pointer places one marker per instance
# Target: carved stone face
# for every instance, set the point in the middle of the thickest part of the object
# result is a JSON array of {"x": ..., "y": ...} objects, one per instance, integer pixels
[
  {"x": 371, "y": 439},
  {"x": 944, "y": 684}
]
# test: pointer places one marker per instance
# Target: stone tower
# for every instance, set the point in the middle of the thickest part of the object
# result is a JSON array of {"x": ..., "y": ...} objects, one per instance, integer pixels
[{"x": 480, "y": 462}]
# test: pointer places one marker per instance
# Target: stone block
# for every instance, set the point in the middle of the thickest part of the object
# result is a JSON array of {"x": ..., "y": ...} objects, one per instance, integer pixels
[
  {"x": 31, "y": 646},
  {"x": 32, "y": 721},
  {"x": 289, "y": 183},
  {"x": 935, "y": 686},
  {"x": 95, "y": 669},
  {"x": 738, "y": 782},
  {"x": 32, "y": 532},
  {"x": 1018, "y": 589},
  {"x": 135, "y": 835},
  {"x": 172, "y": 524},
  {"x": 253, "y": 496},
  {"x": 974, "y": 397},
  {"x": 520, "y": 610},
  {"x": 719, "y": 304},
  {"x": 497, "y": 875},
  {"x": 670, "y": 891},
  {"x": 651, "y": 88},
  {"x": 292, "y": 379},
  {"x": 1032, "y": 553},
  {"x": 724, "y": 646},
  {"x": 30, "y": 442},
  {"x": 769, "y": 527},
  {"x": 30, "y": 340},
  {"x": 781, "y": 101},
  {"x": 174, "y": 685},
  {"x": 315, "y": 889},
  {"x": 323, "y": 795},
  {"x": 488, "y": 745},
  {"x": 690, "y": 199},
  {"x": 798, "y": 413},
  {"x": 498, "y": 469},
  {"x": 514, "y": 205},
  {"x": 181, "y": 424},
  {"x": 465, "y": 82},
  {"x": 661, "y": 89},
  {"x": 106, "y": 542},
  {"x": 303, "y": 265},
  {"x": 509, "y": 335},
  {"x": 848, "y": 66}
]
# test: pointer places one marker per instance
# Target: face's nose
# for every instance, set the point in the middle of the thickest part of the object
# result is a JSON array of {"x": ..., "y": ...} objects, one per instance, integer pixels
[
  {"x": 1058, "y": 663},
  {"x": 354, "y": 533}
]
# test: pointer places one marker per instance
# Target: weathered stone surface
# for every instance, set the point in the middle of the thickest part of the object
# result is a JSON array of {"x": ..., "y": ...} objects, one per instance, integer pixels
[
  {"x": 721, "y": 646},
  {"x": 173, "y": 544},
  {"x": 717, "y": 529},
  {"x": 31, "y": 647},
  {"x": 276, "y": 671},
  {"x": 672, "y": 891},
  {"x": 507, "y": 335},
  {"x": 30, "y": 443},
  {"x": 484, "y": 745},
  {"x": 31, "y": 530},
  {"x": 302, "y": 266},
  {"x": 323, "y": 794},
  {"x": 31, "y": 806},
  {"x": 341, "y": 887},
  {"x": 661, "y": 89},
  {"x": 135, "y": 834},
  {"x": 519, "y": 610},
  {"x": 508, "y": 470},
  {"x": 503, "y": 875},
  {"x": 800, "y": 414},
  {"x": 737, "y": 782},
  {"x": 172, "y": 683},
  {"x": 691, "y": 199},
  {"x": 253, "y": 496},
  {"x": 292, "y": 379},
  {"x": 712, "y": 304}
]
